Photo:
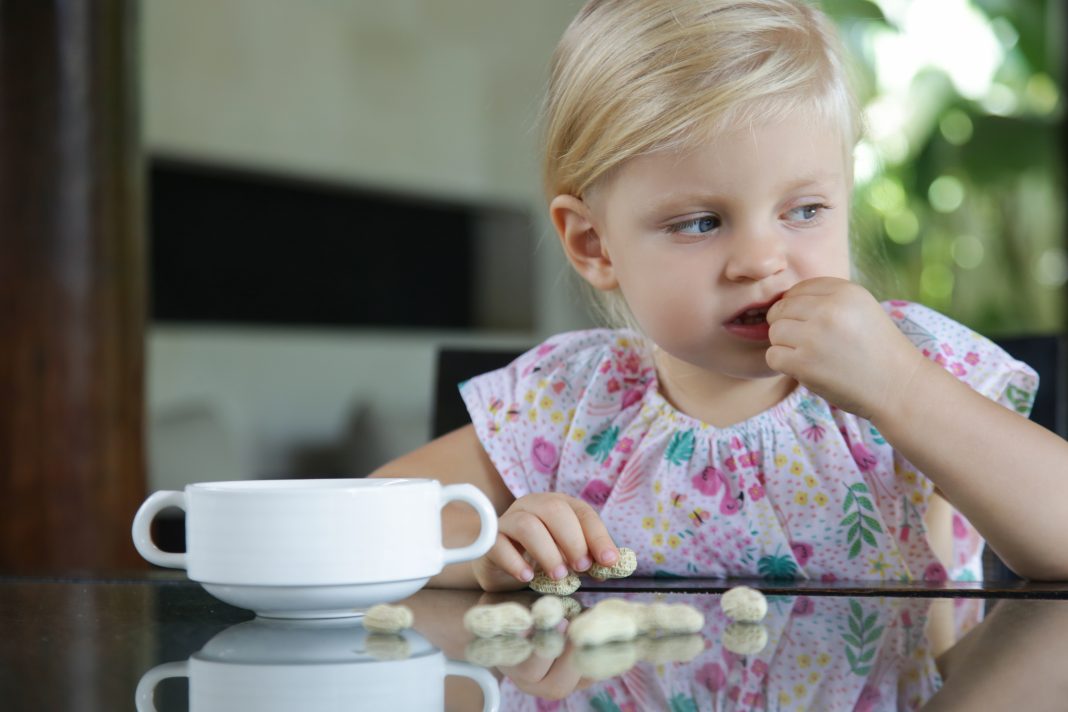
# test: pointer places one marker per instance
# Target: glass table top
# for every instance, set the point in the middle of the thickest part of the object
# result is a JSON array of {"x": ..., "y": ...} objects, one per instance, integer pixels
[{"x": 162, "y": 643}]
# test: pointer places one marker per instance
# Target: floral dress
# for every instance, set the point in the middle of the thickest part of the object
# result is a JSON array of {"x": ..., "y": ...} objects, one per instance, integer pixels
[{"x": 802, "y": 490}]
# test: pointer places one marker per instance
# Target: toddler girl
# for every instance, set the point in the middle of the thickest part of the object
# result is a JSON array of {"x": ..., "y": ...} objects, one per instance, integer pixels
[{"x": 761, "y": 416}]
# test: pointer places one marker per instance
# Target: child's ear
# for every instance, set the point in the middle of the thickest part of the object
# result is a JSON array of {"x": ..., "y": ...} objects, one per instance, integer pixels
[{"x": 584, "y": 247}]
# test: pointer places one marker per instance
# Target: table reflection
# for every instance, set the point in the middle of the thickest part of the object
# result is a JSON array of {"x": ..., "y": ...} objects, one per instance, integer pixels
[{"x": 816, "y": 653}]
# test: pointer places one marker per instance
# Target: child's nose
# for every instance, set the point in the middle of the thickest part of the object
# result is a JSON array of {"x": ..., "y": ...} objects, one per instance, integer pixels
[{"x": 755, "y": 257}]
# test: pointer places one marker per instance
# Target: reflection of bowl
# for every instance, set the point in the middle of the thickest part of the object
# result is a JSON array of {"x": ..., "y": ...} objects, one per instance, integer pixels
[
  {"x": 271, "y": 665},
  {"x": 313, "y": 601}
]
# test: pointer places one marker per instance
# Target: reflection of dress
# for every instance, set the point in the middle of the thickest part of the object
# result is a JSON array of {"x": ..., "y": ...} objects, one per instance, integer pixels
[
  {"x": 823, "y": 653},
  {"x": 802, "y": 490}
]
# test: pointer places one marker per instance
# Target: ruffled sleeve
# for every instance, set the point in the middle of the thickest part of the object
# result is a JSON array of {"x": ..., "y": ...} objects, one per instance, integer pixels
[
  {"x": 524, "y": 412},
  {"x": 990, "y": 371},
  {"x": 970, "y": 357}
]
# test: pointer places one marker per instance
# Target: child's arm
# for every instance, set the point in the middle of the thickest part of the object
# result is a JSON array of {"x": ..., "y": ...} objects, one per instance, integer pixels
[
  {"x": 1007, "y": 475},
  {"x": 555, "y": 529}
]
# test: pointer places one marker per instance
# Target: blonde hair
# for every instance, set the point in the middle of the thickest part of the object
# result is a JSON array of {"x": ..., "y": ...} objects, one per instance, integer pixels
[{"x": 630, "y": 77}]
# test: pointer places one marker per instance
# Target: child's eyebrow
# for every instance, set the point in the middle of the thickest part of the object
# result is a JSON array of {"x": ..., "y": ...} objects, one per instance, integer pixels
[{"x": 684, "y": 200}]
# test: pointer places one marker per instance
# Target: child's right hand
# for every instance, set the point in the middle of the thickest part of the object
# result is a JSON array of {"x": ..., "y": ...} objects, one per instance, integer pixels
[{"x": 556, "y": 531}]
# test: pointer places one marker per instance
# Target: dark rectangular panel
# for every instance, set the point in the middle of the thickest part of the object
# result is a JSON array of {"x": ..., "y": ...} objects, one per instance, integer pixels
[{"x": 232, "y": 246}]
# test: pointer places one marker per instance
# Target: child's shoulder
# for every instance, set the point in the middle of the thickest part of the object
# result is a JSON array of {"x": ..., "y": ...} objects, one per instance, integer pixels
[{"x": 586, "y": 352}]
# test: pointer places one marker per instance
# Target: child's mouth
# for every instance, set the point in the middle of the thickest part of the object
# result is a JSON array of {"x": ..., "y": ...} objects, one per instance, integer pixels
[{"x": 750, "y": 317}]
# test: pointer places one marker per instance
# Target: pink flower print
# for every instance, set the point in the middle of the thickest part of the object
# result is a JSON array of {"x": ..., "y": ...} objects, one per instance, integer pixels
[
  {"x": 803, "y": 551},
  {"x": 960, "y": 529},
  {"x": 559, "y": 387},
  {"x": 544, "y": 349},
  {"x": 935, "y": 573},
  {"x": 711, "y": 675},
  {"x": 606, "y": 366},
  {"x": 543, "y": 456},
  {"x": 612, "y": 385},
  {"x": 729, "y": 505},
  {"x": 731, "y": 464},
  {"x": 756, "y": 492},
  {"x": 631, "y": 397},
  {"x": 736, "y": 443},
  {"x": 544, "y": 705},
  {"x": 629, "y": 363},
  {"x": 814, "y": 432},
  {"x": 803, "y": 606},
  {"x": 898, "y": 303},
  {"x": 947, "y": 349},
  {"x": 897, "y": 314},
  {"x": 906, "y": 619},
  {"x": 708, "y": 481},
  {"x": 863, "y": 457},
  {"x": 621, "y": 465},
  {"x": 956, "y": 369},
  {"x": 759, "y": 668},
  {"x": 607, "y": 462},
  {"x": 971, "y": 358},
  {"x": 828, "y": 578},
  {"x": 734, "y": 693},
  {"x": 870, "y": 700},
  {"x": 596, "y": 492},
  {"x": 753, "y": 699},
  {"x": 940, "y": 360},
  {"x": 749, "y": 459},
  {"x": 624, "y": 445}
]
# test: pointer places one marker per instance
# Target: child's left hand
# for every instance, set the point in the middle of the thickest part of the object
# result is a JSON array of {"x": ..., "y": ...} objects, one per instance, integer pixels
[{"x": 832, "y": 336}]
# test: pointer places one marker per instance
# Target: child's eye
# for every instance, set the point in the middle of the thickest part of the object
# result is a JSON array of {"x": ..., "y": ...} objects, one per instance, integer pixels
[
  {"x": 697, "y": 226},
  {"x": 805, "y": 213}
]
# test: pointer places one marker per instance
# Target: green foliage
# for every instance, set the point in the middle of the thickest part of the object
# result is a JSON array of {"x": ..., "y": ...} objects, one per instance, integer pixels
[{"x": 962, "y": 208}]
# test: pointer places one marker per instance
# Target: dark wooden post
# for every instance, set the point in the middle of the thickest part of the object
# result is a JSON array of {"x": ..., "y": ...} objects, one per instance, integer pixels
[{"x": 72, "y": 285}]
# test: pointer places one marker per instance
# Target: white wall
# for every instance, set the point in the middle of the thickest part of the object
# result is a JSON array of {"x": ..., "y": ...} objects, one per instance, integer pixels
[{"x": 436, "y": 97}]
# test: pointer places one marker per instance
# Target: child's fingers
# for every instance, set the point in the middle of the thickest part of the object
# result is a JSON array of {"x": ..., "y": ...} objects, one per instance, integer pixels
[
  {"x": 560, "y": 515},
  {"x": 507, "y": 558},
  {"x": 596, "y": 535},
  {"x": 530, "y": 532},
  {"x": 798, "y": 308}
]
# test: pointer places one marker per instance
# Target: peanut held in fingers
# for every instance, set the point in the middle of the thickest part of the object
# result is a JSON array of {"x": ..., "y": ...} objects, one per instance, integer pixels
[
  {"x": 544, "y": 583},
  {"x": 744, "y": 604},
  {"x": 499, "y": 619},
  {"x": 387, "y": 619},
  {"x": 625, "y": 566}
]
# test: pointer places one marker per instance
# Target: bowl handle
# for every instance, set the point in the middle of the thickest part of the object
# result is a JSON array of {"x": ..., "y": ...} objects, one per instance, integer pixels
[
  {"x": 142, "y": 529},
  {"x": 487, "y": 517},
  {"x": 146, "y": 687},
  {"x": 491, "y": 691}
]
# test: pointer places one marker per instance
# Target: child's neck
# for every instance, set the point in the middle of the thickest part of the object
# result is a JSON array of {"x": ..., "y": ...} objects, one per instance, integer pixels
[{"x": 715, "y": 398}]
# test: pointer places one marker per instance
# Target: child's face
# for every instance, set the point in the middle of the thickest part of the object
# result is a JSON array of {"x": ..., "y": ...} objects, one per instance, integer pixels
[{"x": 695, "y": 238}]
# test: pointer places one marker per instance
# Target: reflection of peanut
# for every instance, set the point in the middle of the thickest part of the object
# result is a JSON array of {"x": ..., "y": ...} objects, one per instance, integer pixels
[
  {"x": 745, "y": 604},
  {"x": 387, "y": 619},
  {"x": 625, "y": 566},
  {"x": 610, "y": 620},
  {"x": 547, "y": 611},
  {"x": 571, "y": 607},
  {"x": 502, "y": 651},
  {"x": 671, "y": 618},
  {"x": 548, "y": 644},
  {"x": 544, "y": 583},
  {"x": 617, "y": 619},
  {"x": 745, "y": 638},
  {"x": 386, "y": 646},
  {"x": 673, "y": 649},
  {"x": 499, "y": 619},
  {"x": 609, "y": 660}
]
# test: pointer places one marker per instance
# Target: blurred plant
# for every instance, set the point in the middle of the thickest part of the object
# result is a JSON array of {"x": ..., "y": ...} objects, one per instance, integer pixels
[{"x": 960, "y": 191}]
